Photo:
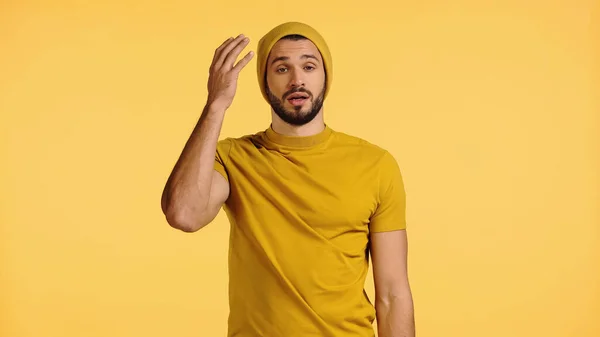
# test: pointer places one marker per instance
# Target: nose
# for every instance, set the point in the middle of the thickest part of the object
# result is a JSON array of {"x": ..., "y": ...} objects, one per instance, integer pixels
[{"x": 296, "y": 79}]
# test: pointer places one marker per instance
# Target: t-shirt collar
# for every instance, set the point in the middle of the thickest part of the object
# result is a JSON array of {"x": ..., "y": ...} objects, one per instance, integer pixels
[{"x": 298, "y": 141}]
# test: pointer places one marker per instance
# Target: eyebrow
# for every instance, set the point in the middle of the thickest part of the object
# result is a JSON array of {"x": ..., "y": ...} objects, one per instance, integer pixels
[{"x": 285, "y": 58}]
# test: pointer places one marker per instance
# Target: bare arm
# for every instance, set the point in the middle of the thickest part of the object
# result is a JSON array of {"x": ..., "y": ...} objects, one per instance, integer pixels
[
  {"x": 195, "y": 192},
  {"x": 393, "y": 297}
]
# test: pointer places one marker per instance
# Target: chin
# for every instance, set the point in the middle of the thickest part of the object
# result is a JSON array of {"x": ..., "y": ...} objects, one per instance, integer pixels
[
  {"x": 300, "y": 112},
  {"x": 305, "y": 108}
]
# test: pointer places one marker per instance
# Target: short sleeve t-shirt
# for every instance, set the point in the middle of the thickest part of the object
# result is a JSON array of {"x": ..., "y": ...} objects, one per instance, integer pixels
[{"x": 301, "y": 210}]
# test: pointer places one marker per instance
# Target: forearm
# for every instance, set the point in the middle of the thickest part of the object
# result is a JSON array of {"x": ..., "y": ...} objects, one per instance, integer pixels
[
  {"x": 187, "y": 190},
  {"x": 395, "y": 316}
]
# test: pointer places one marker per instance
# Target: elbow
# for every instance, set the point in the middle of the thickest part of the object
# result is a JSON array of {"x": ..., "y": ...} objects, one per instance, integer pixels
[
  {"x": 384, "y": 302},
  {"x": 398, "y": 293},
  {"x": 183, "y": 222},
  {"x": 181, "y": 218}
]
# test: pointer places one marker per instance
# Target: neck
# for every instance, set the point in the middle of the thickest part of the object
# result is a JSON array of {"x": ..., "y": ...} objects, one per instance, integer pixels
[{"x": 311, "y": 128}]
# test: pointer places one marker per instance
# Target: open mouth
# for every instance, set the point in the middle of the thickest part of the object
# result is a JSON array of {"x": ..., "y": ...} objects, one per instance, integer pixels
[{"x": 297, "y": 99}]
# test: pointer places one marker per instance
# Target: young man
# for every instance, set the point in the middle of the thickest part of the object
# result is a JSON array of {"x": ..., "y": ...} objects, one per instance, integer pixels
[{"x": 307, "y": 204}]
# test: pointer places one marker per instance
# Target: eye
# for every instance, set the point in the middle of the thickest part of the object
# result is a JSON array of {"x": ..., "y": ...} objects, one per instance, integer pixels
[
  {"x": 281, "y": 69},
  {"x": 309, "y": 68}
]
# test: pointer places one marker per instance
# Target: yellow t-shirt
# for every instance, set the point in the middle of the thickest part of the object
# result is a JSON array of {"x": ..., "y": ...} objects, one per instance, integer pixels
[{"x": 301, "y": 210}]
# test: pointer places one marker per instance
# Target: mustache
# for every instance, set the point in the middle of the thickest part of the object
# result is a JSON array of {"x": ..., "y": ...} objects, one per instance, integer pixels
[{"x": 295, "y": 90}]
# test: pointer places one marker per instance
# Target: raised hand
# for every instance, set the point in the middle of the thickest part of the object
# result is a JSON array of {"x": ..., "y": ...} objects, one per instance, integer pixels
[{"x": 222, "y": 81}]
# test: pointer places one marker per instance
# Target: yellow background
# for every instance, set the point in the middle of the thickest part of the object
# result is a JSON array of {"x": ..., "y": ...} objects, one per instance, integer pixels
[{"x": 491, "y": 109}]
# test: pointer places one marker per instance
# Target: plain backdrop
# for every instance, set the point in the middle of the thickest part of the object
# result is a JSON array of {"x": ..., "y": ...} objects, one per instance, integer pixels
[{"x": 491, "y": 109}]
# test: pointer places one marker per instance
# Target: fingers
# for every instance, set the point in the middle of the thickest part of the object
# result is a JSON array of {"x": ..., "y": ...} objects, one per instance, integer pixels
[
  {"x": 233, "y": 54},
  {"x": 225, "y": 52},
  {"x": 243, "y": 62},
  {"x": 219, "y": 49}
]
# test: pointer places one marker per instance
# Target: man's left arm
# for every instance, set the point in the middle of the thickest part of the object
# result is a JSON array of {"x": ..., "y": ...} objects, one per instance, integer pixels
[{"x": 393, "y": 296}]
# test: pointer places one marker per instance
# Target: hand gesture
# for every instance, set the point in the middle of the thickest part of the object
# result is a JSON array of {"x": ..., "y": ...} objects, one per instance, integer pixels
[{"x": 222, "y": 81}]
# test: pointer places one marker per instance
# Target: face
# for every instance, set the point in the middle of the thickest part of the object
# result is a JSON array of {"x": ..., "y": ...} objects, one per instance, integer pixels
[{"x": 295, "y": 78}]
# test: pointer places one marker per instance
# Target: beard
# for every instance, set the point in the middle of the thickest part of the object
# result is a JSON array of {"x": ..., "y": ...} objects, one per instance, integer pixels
[{"x": 298, "y": 115}]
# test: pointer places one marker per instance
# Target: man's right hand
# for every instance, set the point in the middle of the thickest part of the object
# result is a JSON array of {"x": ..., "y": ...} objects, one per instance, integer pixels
[{"x": 222, "y": 81}]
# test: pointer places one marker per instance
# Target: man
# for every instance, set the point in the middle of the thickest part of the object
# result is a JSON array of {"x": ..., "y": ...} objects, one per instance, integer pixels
[{"x": 307, "y": 204}]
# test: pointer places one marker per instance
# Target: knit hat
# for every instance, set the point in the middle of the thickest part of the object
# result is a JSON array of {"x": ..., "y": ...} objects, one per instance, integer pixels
[{"x": 266, "y": 43}]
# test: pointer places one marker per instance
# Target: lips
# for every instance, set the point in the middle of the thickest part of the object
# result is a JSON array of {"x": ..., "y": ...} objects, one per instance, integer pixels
[
  {"x": 297, "y": 101},
  {"x": 298, "y": 98}
]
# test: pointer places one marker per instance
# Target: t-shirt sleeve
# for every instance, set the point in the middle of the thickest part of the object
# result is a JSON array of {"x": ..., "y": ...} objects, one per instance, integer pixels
[
  {"x": 391, "y": 206},
  {"x": 222, "y": 157}
]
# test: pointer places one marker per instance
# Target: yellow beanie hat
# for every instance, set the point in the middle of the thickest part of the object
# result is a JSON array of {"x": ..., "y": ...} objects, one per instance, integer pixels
[{"x": 266, "y": 43}]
